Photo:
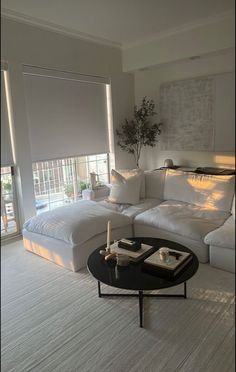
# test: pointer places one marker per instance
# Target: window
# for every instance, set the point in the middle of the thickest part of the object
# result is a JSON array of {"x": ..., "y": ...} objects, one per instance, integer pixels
[
  {"x": 9, "y": 224},
  {"x": 59, "y": 182},
  {"x": 9, "y": 215}
]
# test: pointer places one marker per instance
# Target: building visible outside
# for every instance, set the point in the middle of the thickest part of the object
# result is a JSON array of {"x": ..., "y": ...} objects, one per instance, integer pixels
[
  {"x": 59, "y": 182},
  {"x": 8, "y": 203}
]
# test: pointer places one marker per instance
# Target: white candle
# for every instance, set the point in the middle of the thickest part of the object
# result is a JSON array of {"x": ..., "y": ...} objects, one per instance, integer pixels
[{"x": 108, "y": 234}]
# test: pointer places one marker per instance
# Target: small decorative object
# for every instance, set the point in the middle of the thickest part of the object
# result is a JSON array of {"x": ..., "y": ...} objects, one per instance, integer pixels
[
  {"x": 103, "y": 252},
  {"x": 94, "y": 179},
  {"x": 139, "y": 132},
  {"x": 131, "y": 245},
  {"x": 177, "y": 261},
  {"x": 108, "y": 236},
  {"x": 109, "y": 256},
  {"x": 164, "y": 254},
  {"x": 136, "y": 256},
  {"x": 88, "y": 194},
  {"x": 168, "y": 163},
  {"x": 122, "y": 260}
]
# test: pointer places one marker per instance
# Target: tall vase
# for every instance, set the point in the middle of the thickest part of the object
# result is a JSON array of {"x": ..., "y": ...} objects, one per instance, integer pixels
[{"x": 93, "y": 180}]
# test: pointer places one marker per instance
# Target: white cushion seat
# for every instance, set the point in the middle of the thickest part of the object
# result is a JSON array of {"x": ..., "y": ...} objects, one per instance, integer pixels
[
  {"x": 184, "y": 223},
  {"x": 76, "y": 223},
  {"x": 131, "y": 210},
  {"x": 183, "y": 218}
]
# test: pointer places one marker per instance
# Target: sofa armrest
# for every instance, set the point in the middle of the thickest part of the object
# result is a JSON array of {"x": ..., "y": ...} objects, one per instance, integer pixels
[{"x": 224, "y": 236}]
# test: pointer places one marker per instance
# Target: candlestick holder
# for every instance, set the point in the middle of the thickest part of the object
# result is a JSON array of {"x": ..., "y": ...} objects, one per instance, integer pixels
[{"x": 108, "y": 249}]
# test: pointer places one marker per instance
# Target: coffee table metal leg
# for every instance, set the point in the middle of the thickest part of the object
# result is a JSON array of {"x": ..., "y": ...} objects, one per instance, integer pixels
[
  {"x": 140, "y": 308},
  {"x": 99, "y": 289},
  {"x": 140, "y": 296}
]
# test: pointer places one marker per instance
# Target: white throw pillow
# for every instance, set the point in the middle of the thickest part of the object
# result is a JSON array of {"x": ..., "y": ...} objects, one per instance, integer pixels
[
  {"x": 116, "y": 177},
  {"x": 126, "y": 193},
  {"x": 127, "y": 173}
]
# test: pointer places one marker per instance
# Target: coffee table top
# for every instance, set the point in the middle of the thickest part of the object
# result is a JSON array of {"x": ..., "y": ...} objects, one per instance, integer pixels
[{"x": 132, "y": 277}]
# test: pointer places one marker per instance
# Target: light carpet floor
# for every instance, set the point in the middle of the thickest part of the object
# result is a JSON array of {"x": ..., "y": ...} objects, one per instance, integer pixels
[{"x": 53, "y": 320}]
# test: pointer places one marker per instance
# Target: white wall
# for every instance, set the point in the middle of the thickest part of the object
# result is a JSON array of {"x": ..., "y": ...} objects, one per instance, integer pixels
[
  {"x": 25, "y": 44},
  {"x": 205, "y": 36},
  {"x": 147, "y": 83}
]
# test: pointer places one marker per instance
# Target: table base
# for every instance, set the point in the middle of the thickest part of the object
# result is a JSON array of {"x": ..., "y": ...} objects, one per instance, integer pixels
[{"x": 140, "y": 295}]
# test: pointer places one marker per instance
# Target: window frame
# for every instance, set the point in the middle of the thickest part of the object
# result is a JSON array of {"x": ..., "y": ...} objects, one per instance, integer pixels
[{"x": 67, "y": 173}]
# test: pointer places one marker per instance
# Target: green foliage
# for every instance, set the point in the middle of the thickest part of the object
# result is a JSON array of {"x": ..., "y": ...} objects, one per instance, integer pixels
[
  {"x": 69, "y": 188},
  {"x": 7, "y": 186},
  {"x": 83, "y": 185},
  {"x": 139, "y": 132}
]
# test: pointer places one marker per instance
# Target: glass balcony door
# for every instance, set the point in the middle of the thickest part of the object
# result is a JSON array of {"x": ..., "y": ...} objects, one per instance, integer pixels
[{"x": 9, "y": 212}]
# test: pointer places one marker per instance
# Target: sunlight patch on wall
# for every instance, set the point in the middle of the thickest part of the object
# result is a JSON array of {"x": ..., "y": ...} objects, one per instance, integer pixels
[
  {"x": 9, "y": 112},
  {"x": 110, "y": 126},
  {"x": 225, "y": 161}
]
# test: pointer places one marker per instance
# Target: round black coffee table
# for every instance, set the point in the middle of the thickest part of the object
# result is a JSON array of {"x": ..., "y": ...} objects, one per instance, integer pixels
[{"x": 133, "y": 276}]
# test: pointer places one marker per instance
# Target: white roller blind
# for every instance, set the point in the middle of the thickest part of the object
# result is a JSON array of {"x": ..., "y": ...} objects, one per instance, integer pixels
[
  {"x": 66, "y": 117},
  {"x": 6, "y": 148}
]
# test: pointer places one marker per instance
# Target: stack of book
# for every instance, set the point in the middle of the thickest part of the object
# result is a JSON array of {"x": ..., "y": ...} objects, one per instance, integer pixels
[
  {"x": 136, "y": 256},
  {"x": 176, "y": 263}
]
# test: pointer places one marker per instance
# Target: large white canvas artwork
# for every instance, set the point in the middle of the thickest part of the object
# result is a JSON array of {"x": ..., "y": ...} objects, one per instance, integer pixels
[{"x": 187, "y": 114}]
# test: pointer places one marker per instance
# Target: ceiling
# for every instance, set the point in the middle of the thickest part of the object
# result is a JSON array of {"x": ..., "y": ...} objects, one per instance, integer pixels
[{"x": 119, "y": 22}]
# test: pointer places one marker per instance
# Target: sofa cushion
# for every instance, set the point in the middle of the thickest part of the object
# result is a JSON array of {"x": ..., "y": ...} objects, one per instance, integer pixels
[
  {"x": 208, "y": 191},
  {"x": 117, "y": 177},
  {"x": 76, "y": 223},
  {"x": 224, "y": 236},
  {"x": 131, "y": 210},
  {"x": 183, "y": 218},
  {"x": 154, "y": 183},
  {"x": 126, "y": 193},
  {"x": 127, "y": 173}
]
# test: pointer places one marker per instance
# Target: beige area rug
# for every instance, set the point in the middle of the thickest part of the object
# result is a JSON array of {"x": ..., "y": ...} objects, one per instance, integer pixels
[{"x": 53, "y": 320}]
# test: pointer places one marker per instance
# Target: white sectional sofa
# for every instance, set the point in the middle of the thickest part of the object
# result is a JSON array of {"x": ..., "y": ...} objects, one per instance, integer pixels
[
  {"x": 222, "y": 244},
  {"x": 189, "y": 208}
]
